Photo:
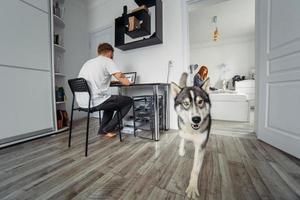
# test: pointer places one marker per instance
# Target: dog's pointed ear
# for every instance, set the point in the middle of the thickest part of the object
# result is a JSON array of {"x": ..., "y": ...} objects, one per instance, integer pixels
[{"x": 175, "y": 89}]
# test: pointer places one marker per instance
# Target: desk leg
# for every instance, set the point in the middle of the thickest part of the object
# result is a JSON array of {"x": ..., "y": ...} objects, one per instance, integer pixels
[
  {"x": 167, "y": 109},
  {"x": 156, "y": 112},
  {"x": 120, "y": 91}
]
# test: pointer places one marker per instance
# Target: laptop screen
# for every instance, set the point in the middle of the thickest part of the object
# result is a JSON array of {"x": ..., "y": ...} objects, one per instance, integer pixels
[{"x": 131, "y": 76}]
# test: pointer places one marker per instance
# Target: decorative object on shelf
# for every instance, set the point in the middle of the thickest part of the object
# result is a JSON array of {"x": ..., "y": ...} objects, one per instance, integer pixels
[
  {"x": 58, "y": 62},
  {"x": 56, "y": 39},
  {"x": 252, "y": 73},
  {"x": 133, "y": 23},
  {"x": 60, "y": 94},
  {"x": 56, "y": 9},
  {"x": 65, "y": 118},
  {"x": 62, "y": 119},
  {"x": 137, "y": 24},
  {"x": 224, "y": 69},
  {"x": 216, "y": 34},
  {"x": 143, "y": 7}
]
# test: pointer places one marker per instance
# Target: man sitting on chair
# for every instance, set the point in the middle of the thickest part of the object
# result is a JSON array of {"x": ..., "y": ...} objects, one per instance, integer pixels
[{"x": 98, "y": 73}]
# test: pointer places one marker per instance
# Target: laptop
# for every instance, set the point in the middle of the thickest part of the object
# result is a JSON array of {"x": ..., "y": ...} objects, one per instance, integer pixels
[{"x": 131, "y": 76}]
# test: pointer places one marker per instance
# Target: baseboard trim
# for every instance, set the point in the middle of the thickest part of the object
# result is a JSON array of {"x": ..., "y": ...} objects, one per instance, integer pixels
[{"x": 28, "y": 137}]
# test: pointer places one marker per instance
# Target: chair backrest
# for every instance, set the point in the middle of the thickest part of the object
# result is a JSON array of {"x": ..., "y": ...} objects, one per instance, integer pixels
[{"x": 79, "y": 85}]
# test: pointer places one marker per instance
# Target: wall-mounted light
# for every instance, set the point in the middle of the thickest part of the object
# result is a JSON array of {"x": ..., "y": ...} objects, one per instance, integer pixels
[{"x": 216, "y": 34}]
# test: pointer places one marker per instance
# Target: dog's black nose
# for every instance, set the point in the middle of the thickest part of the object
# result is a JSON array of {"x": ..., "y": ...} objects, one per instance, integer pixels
[{"x": 196, "y": 120}]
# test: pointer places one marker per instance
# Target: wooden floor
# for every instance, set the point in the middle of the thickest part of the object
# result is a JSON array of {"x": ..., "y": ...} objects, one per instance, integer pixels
[{"x": 236, "y": 166}]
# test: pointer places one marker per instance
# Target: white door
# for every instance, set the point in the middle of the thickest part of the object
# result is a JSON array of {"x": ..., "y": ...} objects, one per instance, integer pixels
[
  {"x": 100, "y": 36},
  {"x": 278, "y": 73}
]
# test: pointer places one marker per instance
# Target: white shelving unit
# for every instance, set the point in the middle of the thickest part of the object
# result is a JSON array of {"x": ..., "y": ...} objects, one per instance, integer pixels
[
  {"x": 59, "y": 78},
  {"x": 60, "y": 74},
  {"x": 58, "y": 22},
  {"x": 59, "y": 48}
]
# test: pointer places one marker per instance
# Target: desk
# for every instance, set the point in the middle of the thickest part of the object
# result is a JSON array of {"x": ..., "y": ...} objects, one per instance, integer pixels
[{"x": 155, "y": 90}]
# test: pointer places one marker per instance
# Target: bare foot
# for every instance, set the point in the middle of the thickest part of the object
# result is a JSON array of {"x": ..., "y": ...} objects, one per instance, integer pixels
[{"x": 110, "y": 135}]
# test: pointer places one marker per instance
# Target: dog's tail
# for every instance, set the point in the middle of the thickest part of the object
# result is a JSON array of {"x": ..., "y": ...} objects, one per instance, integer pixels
[{"x": 183, "y": 79}]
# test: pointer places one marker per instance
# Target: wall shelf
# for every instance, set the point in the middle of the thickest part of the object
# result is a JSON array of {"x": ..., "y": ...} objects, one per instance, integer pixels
[
  {"x": 58, "y": 22},
  {"x": 122, "y": 22},
  {"x": 60, "y": 75},
  {"x": 59, "y": 48},
  {"x": 140, "y": 43},
  {"x": 145, "y": 29},
  {"x": 148, "y": 3},
  {"x": 59, "y": 1}
]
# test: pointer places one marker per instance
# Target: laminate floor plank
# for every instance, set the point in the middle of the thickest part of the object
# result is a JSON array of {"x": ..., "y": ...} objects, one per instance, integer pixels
[
  {"x": 79, "y": 170},
  {"x": 243, "y": 188},
  {"x": 236, "y": 166},
  {"x": 227, "y": 192},
  {"x": 257, "y": 181},
  {"x": 276, "y": 185}
]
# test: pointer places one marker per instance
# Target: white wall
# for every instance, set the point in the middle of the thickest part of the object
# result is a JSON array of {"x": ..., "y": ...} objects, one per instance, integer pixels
[
  {"x": 151, "y": 63},
  {"x": 237, "y": 54},
  {"x": 76, "y": 42},
  {"x": 235, "y": 18}
]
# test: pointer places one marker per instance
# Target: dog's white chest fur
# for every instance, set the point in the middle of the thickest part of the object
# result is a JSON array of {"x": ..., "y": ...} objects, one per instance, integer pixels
[{"x": 191, "y": 135}]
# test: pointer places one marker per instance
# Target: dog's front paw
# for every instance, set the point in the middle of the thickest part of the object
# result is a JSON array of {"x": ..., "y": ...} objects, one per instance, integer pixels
[
  {"x": 181, "y": 151},
  {"x": 192, "y": 191}
]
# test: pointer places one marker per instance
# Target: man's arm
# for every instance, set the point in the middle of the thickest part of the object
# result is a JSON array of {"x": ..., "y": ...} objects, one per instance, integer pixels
[{"x": 121, "y": 78}]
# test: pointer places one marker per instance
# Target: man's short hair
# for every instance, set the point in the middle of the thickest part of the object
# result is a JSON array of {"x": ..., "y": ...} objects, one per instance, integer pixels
[{"x": 105, "y": 47}]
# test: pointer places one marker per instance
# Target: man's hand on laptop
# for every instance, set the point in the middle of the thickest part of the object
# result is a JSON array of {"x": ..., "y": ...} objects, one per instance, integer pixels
[
  {"x": 121, "y": 78},
  {"x": 115, "y": 82}
]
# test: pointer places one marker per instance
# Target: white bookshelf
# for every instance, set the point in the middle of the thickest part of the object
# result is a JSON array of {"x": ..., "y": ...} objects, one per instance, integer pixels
[
  {"x": 58, "y": 22},
  {"x": 59, "y": 48},
  {"x": 60, "y": 75},
  {"x": 59, "y": 78}
]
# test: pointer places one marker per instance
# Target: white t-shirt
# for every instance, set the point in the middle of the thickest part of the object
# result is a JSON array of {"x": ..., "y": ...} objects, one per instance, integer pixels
[{"x": 97, "y": 72}]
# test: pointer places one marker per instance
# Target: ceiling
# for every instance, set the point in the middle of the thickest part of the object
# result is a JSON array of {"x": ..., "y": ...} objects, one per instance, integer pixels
[{"x": 236, "y": 18}]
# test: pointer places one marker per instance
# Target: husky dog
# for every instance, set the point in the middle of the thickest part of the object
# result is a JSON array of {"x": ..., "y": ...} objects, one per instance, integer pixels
[{"x": 192, "y": 106}]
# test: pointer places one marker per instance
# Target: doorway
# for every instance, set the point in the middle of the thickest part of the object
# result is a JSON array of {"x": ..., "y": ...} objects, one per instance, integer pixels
[{"x": 222, "y": 38}]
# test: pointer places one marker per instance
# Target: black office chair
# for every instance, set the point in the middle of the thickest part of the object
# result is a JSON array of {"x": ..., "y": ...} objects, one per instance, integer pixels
[{"x": 80, "y": 85}]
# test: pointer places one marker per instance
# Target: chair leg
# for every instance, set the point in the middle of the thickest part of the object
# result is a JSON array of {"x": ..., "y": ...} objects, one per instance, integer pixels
[
  {"x": 133, "y": 112},
  {"x": 71, "y": 124},
  {"x": 87, "y": 135},
  {"x": 119, "y": 121},
  {"x": 100, "y": 119},
  {"x": 152, "y": 126}
]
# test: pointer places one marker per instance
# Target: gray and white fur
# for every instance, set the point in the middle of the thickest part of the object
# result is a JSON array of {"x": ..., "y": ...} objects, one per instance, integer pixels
[{"x": 192, "y": 106}]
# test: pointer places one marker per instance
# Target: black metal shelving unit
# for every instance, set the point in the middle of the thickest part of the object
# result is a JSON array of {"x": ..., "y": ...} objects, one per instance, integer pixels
[{"x": 143, "y": 113}]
